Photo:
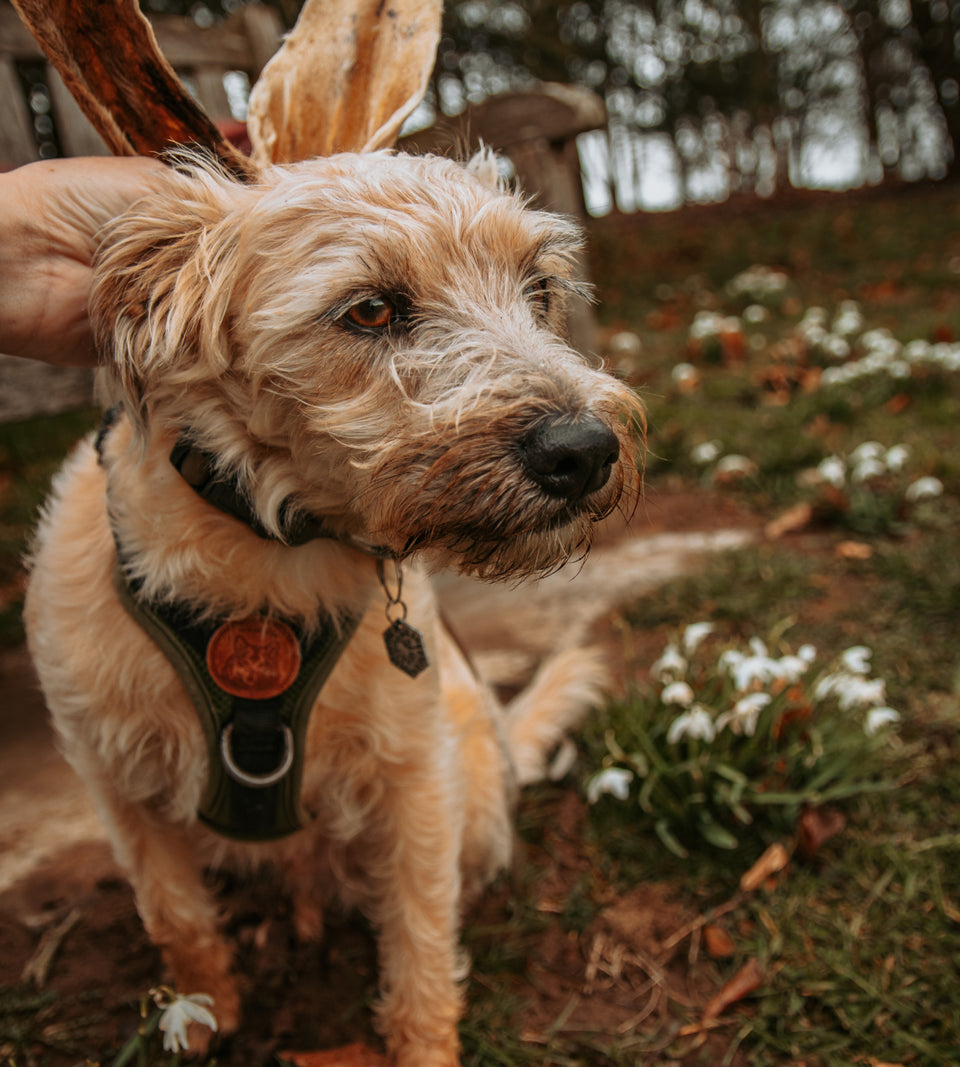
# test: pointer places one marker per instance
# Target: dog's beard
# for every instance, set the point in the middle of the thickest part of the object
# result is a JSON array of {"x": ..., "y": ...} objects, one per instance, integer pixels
[{"x": 473, "y": 508}]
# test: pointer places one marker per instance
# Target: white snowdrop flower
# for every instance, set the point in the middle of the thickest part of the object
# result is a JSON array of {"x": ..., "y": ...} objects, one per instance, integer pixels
[
  {"x": 755, "y": 313},
  {"x": 743, "y": 718},
  {"x": 706, "y": 452},
  {"x": 833, "y": 471},
  {"x": 877, "y": 718},
  {"x": 694, "y": 635},
  {"x": 678, "y": 693},
  {"x": 812, "y": 333},
  {"x": 856, "y": 660},
  {"x": 835, "y": 347},
  {"x": 807, "y": 653},
  {"x": 951, "y": 359},
  {"x": 736, "y": 464},
  {"x": 868, "y": 469},
  {"x": 835, "y": 376},
  {"x": 791, "y": 669},
  {"x": 924, "y": 489},
  {"x": 867, "y": 450},
  {"x": 941, "y": 352},
  {"x": 752, "y": 670},
  {"x": 758, "y": 647},
  {"x": 917, "y": 351},
  {"x": 879, "y": 339},
  {"x": 827, "y": 686},
  {"x": 896, "y": 457},
  {"x": 670, "y": 666},
  {"x": 899, "y": 369},
  {"x": 729, "y": 658},
  {"x": 854, "y": 691},
  {"x": 848, "y": 320},
  {"x": 179, "y": 1013},
  {"x": 684, "y": 372},
  {"x": 817, "y": 315},
  {"x": 612, "y": 781},
  {"x": 705, "y": 324},
  {"x": 695, "y": 724}
]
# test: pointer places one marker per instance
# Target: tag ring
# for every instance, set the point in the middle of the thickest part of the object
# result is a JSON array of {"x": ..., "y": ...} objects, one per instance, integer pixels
[{"x": 256, "y": 781}]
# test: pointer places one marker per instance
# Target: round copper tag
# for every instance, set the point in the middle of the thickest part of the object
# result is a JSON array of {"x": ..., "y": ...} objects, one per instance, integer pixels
[{"x": 257, "y": 658}]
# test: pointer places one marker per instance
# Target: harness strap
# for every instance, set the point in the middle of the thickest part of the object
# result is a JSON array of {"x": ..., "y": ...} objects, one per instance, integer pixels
[{"x": 253, "y": 685}]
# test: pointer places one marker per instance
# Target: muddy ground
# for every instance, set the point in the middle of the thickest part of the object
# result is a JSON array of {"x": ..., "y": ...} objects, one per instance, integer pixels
[{"x": 59, "y": 886}]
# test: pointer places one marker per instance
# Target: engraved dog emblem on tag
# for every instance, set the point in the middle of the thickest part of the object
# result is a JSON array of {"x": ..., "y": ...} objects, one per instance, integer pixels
[{"x": 256, "y": 658}]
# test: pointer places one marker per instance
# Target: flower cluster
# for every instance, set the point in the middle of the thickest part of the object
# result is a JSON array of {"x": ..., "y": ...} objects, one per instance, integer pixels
[
  {"x": 865, "y": 465},
  {"x": 716, "y": 338},
  {"x": 757, "y": 284},
  {"x": 720, "y": 739}
]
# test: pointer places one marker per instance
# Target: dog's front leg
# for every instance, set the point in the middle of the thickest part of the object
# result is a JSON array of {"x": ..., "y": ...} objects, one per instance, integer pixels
[
  {"x": 419, "y": 920},
  {"x": 178, "y": 912}
]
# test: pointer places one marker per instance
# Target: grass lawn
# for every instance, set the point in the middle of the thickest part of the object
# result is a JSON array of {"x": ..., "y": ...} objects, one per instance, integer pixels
[{"x": 822, "y": 393}]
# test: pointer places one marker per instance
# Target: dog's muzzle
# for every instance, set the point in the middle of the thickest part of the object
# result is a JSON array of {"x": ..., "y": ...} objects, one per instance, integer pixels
[{"x": 570, "y": 459}]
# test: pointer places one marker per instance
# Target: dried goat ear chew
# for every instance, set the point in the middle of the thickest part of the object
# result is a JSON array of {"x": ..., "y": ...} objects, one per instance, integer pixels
[
  {"x": 345, "y": 79},
  {"x": 109, "y": 59}
]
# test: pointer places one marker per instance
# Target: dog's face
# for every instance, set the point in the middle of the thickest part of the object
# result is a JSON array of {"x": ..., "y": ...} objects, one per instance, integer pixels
[{"x": 374, "y": 338}]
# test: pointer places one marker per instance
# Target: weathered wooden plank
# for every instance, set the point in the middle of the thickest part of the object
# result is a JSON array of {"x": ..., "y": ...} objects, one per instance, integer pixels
[
  {"x": 208, "y": 85},
  {"x": 17, "y": 145}
]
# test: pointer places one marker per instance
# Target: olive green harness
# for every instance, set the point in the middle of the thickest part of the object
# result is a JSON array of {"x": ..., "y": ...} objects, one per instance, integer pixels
[{"x": 253, "y": 685}]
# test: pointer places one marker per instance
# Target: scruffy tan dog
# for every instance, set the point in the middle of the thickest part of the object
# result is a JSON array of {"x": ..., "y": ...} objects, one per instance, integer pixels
[{"x": 349, "y": 367}]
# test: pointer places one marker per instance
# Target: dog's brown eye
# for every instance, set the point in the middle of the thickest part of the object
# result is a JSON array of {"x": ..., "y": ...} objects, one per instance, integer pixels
[
  {"x": 374, "y": 314},
  {"x": 538, "y": 293}
]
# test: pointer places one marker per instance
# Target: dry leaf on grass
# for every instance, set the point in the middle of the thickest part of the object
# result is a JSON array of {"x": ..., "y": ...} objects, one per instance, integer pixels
[
  {"x": 796, "y": 518},
  {"x": 774, "y": 859},
  {"x": 349, "y": 1056},
  {"x": 853, "y": 550},
  {"x": 817, "y": 826},
  {"x": 345, "y": 79},
  {"x": 750, "y": 977},
  {"x": 718, "y": 943}
]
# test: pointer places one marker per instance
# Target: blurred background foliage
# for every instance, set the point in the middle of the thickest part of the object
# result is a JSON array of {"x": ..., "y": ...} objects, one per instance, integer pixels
[{"x": 710, "y": 98}]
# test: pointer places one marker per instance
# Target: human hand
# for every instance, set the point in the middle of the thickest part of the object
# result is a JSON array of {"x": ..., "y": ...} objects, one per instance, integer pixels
[{"x": 50, "y": 214}]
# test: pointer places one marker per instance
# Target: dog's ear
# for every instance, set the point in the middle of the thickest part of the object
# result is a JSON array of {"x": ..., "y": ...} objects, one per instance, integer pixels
[
  {"x": 483, "y": 167},
  {"x": 164, "y": 276}
]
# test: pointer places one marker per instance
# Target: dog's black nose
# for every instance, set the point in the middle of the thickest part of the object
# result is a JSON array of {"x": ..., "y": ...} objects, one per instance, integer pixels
[{"x": 570, "y": 458}]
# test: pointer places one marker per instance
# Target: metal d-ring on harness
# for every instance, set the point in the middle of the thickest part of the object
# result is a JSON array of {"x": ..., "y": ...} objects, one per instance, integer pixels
[{"x": 256, "y": 781}]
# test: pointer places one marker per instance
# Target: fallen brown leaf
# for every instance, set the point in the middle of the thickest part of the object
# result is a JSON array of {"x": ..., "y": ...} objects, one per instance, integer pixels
[
  {"x": 795, "y": 518},
  {"x": 853, "y": 550},
  {"x": 718, "y": 943},
  {"x": 815, "y": 827},
  {"x": 355, "y": 1055},
  {"x": 774, "y": 859},
  {"x": 750, "y": 977}
]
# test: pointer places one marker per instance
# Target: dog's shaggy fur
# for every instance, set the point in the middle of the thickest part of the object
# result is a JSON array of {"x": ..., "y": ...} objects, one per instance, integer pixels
[{"x": 230, "y": 313}]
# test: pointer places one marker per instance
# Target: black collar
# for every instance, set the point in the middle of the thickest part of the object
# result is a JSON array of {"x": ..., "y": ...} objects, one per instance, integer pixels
[{"x": 199, "y": 470}]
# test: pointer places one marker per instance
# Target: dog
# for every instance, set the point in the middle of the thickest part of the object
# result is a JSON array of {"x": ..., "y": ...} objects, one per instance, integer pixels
[{"x": 330, "y": 383}]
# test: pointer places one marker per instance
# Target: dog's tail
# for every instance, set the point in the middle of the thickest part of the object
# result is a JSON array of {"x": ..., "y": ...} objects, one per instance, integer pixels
[{"x": 561, "y": 693}]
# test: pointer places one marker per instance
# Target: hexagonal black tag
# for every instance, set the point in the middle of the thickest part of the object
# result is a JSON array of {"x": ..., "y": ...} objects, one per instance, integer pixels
[{"x": 405, "y": 648}]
